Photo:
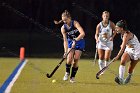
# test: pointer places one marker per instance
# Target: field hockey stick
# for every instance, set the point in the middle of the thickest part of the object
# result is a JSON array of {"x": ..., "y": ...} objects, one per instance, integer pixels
[
  {"x": 102, "y": 70},
  {"x": 95, "y": 56},
  {"x": 50, "y": 75}
]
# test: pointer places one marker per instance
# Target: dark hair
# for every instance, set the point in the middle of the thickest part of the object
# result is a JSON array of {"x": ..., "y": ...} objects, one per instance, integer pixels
[
  {"x": 65, "y": 13},
  {"x": 105, "y": 12},
  {"x": 122, "y": 24}
]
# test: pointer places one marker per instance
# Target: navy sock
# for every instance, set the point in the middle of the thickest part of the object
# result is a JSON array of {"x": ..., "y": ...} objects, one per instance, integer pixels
[
  {"x": 74, "y": 71},
  {"x": 68, "y": 66}
]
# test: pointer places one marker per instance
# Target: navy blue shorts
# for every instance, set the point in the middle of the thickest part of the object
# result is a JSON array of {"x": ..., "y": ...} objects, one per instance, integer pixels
[{"x": 80, "y": 45}]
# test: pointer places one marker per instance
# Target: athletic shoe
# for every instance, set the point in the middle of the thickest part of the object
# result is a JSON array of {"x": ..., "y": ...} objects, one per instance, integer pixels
[
  {"x": 119, "y": 80},
  {"x": 66, "y": 76},
  {"x": 72, "y": 80},
  {"x": 127, "y": 80}
]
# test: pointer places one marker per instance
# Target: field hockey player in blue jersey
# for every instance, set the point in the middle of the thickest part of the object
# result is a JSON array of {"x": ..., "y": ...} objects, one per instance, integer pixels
[{"x": 73, "y": 37}]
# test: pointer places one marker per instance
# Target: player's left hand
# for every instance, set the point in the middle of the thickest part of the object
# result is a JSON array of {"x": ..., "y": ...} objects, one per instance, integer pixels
[{"x": 73, "y": 43}]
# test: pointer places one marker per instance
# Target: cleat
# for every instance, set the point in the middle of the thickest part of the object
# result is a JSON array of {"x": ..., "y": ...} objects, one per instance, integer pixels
[
  {"x": 119, "y": 80},
  {"x": 72, "y": 80},
  {"x": 127, "y": 80},
  {"x": 66, "y": 76}
]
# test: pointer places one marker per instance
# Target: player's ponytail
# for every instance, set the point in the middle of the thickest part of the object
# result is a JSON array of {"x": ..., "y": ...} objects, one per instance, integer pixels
[
  {"x": 58, "y": 22},
  {"x": 65, "y": 13}
]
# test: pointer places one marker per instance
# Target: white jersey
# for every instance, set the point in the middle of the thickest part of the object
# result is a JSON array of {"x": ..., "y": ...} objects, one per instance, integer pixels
[
  {"x": 133, "y": 48},
  {"x": 104, "y": 35},
  {"x": 105, "y": 32}
]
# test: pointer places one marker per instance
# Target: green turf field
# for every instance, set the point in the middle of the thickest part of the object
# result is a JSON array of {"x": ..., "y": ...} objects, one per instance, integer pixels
[{"x": 33, "y": 79}]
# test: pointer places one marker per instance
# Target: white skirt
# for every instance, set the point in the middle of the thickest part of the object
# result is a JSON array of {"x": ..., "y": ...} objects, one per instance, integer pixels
[
  {"x": 133, "y": 53},
  {"x": 105, "y": 46}
]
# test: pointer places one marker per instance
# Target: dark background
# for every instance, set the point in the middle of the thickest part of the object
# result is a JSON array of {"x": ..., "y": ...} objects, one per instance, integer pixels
[{"x": 17, "y": 30}]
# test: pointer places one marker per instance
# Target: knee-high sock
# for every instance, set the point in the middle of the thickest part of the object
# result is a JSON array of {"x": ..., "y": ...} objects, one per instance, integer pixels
[
  {"x": 106, "y": 63},
  {"x": 101, "y": 64},
  {"x": 121, "y": 71},
  {"x": 68, "y": 66},
  {"x": 74, "y": 71}
]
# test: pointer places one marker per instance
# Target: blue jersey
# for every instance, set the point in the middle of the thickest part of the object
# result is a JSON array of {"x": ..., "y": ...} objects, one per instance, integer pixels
[{"x": 72, "y": 33}]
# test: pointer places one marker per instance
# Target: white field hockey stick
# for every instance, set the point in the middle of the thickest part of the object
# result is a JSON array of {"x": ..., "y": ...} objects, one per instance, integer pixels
[
  {"x": 95, "y": 56},
  {"x": 103, "y": 69}
]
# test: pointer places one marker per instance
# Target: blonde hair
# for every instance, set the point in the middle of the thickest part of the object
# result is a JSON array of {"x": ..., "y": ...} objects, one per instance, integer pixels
[
  {"x": 58, "y": 22},
  {"x": 65, "y": 13}
]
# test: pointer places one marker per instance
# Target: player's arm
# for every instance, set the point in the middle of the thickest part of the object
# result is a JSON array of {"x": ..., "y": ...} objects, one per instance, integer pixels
[
  {"x": 97, "y": 33},
  {"x": 113, "y": 29},
  {"x": 65, "y": 42},
  {"x": 80, "y": 29},
  {"x": 123, "y": 45}
]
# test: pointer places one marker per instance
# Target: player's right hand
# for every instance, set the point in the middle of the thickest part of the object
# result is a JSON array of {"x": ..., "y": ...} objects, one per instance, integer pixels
[
  {"x": 97, "y": 41},
  {"x": 65, "y": 55}
]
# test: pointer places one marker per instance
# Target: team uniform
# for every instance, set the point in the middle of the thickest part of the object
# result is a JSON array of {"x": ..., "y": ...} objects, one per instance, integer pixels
[
  {"x": 104, "y": 42},
  {"x": 104, "y": 36},
  {"x": 133, "y": 48},
  {"x": 72, "y": 33}
]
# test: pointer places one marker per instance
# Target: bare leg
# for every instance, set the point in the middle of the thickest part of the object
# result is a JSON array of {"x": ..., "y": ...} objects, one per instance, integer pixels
[
  {"x": 132, "y": 66},
  {"x": 107, "y": 56},
  {"x": 130, "y": 70},
  {"x": 124, "y": 59},
  {"x": 101, "y": 53},
  {"x": 77, "y": 56},
  {"x": 68, "y": 64}
]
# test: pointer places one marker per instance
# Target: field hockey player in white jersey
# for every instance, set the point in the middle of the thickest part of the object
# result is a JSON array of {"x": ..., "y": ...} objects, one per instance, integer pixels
[
  {"x": 129, "y": 51},
  {"x": 105, "y": 32}
]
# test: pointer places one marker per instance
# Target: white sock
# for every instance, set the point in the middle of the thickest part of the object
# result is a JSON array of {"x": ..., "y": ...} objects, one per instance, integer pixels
[
  {"x": 101, "y": 64},
  {"x": 121, "y": 71},
  {"x": 106, "y": 63}
]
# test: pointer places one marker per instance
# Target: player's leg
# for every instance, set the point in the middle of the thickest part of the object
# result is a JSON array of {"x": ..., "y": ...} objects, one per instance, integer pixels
[
  {"x": 80, "y": 45},
  {"x": 125, "y": 58},
  {"x": 108, "y": 50},
  {"x": 77, "y": 56},
  {"x": 107, "y": 56},
  {"x": 101, "y": 53},
  {"x": 68, "y": 64},
  {"x": 130, "y": 70}
]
